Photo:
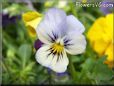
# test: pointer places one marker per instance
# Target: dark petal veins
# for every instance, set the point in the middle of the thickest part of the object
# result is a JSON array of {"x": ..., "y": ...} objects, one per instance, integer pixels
[
  {"x": 53, "y": 37},
  {"x": 59, "y": 55},
  {"x": 67, "y": 42},
  {"x": 49, "y": 54}
]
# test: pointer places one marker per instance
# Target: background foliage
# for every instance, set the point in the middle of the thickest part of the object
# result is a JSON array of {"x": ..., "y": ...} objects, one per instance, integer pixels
[{"x": 18, "y": 54}]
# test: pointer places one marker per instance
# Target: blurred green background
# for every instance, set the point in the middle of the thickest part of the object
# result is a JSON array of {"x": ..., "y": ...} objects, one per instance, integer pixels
[{"x": 18, "y": 54}]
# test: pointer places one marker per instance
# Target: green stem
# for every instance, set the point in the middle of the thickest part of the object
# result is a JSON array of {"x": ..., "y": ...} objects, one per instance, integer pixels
[
  {"x": 72, "y": 70},
  {"x": 50, "y": 79},
  {"x": 49, "y": 73}
]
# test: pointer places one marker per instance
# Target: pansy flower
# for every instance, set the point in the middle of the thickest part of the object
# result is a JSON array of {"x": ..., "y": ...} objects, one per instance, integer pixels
[
  {"x": 101, "y": 39},
  {"x": 60, "y": 34},
  {"x": 31, "y": 20}
]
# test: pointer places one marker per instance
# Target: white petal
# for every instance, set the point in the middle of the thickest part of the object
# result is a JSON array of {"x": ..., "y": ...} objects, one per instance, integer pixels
[
  {"x": 74, "y": 23},
  {"x": 42, "y": 56},
  {"x": 76, "y": 43},
  {"x": 60, "y": 66},
  {"x": 53, "y": 24},
  {"x": 50, "y": 61}
]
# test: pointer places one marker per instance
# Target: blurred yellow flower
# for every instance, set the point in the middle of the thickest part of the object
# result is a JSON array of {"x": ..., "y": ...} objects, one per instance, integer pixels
[
  {"x": 49, "y": 3},
  {"x": 100, "y": 36},
  {"x": 31, "y": 20},
  {"x": 84, "y": 1}
]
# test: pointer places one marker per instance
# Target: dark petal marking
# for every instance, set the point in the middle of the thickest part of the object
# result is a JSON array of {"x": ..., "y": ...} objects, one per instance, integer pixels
[
  {"x": 47, "y": 38},
  {"x": 57, "y": 58},
  {"x": 52, "y": 40},
  {"x": 54, "y": 37},
  {"x": 59, "y": 55},
  {"x": 67, "y": 46},
  {"x": 49, "y": 54},
  {"x": 66, "y": 42},
  {"x": 62, "y": 54},
  {"x": 49, "y": 49},
  {"x": 54, "y": 53}
]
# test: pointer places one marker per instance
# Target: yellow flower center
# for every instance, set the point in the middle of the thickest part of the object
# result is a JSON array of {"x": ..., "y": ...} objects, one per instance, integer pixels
[{"x": 57, "y": 48}]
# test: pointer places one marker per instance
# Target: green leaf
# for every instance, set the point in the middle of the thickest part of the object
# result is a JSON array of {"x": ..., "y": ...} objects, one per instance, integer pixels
[
  {"x": 101, "y": 71},
  {"x": 75, "y": 59},
  {"x": 24, "y": 53},
  {"x": 88, "y": 64},
  {"x": 27, "y": 69},
  {"x": 74, "y": 74},
  {"x": 11, "y": 52}
]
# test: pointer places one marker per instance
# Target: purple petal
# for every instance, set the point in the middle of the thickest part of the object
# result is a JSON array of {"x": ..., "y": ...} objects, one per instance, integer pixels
[
  {"x": 7, "y": 20},
  {"x": 109, "y": 9},
  {"x": 37, "y": 44},
  {"x": 57, "y": 19},
  {"x": 58, "y": 74},
  {"x": 62, "y": 74},
  {"x": 54, "y": 23}
]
